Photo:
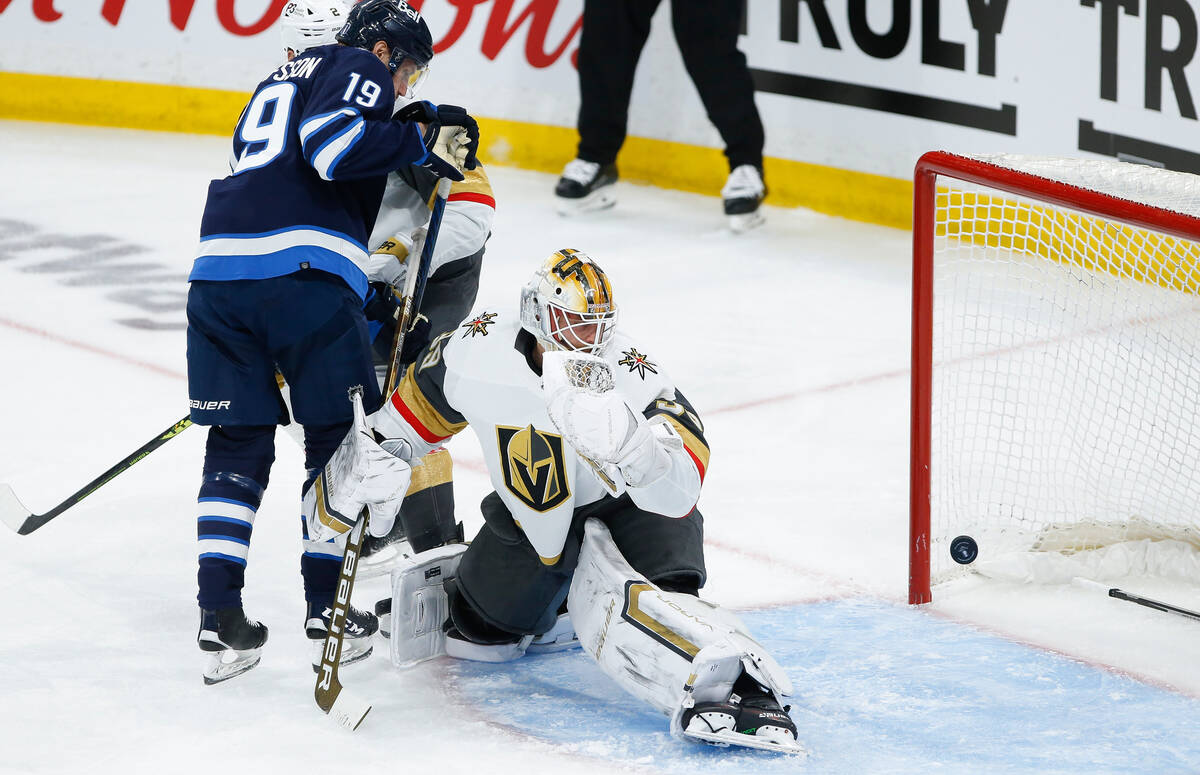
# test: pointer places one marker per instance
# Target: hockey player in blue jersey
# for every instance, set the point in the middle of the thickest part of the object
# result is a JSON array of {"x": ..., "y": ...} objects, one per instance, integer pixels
[
  {"x": 427, "y": 517},
  {"x": 278, "y": 283}
]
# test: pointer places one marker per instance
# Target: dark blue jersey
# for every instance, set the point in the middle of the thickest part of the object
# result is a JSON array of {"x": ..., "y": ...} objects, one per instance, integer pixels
[{"x": 311, "y": 153}]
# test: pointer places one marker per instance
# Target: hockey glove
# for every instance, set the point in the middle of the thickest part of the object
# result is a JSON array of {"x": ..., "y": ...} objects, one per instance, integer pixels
[
  {"x": 449, "y": 147},
  {"x": 360, "y": 473},
  {"x": 387, "y": 268},
  {"x": 592, "y": 417},
  {"x": 445, "y": 117},
  {"x": 645, "y": 458}
]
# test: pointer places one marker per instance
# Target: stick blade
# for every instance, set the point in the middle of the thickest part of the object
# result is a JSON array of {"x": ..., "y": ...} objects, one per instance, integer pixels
[
  {"x": 12, "y": 512},
  {"x": 349, "y": 710}
]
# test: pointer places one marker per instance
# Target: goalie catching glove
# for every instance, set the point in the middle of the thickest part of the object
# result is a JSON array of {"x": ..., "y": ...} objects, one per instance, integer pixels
[
  {"x": 360, "y": 474},
  {"x": 598, "y": 424}
]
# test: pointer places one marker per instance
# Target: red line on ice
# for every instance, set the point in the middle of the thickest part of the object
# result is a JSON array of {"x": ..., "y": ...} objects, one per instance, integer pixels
[{"x": 154, "y": 367}]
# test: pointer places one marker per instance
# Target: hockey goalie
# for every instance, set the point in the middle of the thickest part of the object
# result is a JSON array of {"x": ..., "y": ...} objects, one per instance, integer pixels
[{"x": 592, "y": 532}]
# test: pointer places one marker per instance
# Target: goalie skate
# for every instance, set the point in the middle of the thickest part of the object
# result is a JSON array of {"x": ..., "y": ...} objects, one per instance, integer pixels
[
  {"x": 756, "y": 722},
  {"x": 752, "y": 716}
]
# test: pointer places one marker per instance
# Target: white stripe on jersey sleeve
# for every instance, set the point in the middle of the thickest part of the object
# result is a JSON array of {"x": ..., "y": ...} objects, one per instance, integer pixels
[
  {"x": 316, "y": 122},
  {"x": 327, "y": 158}
]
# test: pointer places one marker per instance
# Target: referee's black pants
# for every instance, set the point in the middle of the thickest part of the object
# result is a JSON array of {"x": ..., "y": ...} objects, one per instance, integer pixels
[{"x": 706, "y": 31}]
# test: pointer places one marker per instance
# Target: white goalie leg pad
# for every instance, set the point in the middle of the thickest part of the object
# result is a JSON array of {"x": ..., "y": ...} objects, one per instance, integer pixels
[
  {"x": 666, "y": 648},
  {"x": 419, "y": 604}
]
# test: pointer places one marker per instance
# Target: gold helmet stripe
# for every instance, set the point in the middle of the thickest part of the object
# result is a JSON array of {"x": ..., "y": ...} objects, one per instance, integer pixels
[{"x": 591, "y": 278}]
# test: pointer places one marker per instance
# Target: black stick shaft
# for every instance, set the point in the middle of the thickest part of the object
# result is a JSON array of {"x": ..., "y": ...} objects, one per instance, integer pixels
[
  {"x": 1157, "y": 605},
  {"x": 34, "y": 521}
]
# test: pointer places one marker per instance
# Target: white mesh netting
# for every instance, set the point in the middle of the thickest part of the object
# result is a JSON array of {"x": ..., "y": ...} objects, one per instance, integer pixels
[{"x": 1066, "y": 382}]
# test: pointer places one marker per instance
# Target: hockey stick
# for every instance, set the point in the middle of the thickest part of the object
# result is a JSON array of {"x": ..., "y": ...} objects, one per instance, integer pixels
[
  {"x": 14, "y": 514},
  {"x": 1121, "y": 594},
  {"x": 415, "y": 282},
  {"x": 344, "y": 707}
]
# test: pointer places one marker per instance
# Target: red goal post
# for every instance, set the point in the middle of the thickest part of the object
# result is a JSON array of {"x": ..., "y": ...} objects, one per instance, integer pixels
[{"x": 1091, "y": 230}]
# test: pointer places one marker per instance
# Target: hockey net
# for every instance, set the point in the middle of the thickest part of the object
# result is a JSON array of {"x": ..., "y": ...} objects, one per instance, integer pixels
[{"x": 1056, "y": 369}]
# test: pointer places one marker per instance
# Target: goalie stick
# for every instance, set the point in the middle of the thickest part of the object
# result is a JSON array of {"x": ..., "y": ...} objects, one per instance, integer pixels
[
  {"x": 346, "y": 708},
  {"x": 1121, "y": 594},
  {"x": 14, "y": 514}
]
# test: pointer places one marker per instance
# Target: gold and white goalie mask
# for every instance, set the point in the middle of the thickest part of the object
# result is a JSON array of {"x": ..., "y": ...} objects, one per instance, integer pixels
[{"x": 568, "y": 305}]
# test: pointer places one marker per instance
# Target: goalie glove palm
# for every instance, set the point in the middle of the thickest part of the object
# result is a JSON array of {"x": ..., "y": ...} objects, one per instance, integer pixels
[
  {"x": 360, "y": 474},
  {"x": 595, "y": 425}
]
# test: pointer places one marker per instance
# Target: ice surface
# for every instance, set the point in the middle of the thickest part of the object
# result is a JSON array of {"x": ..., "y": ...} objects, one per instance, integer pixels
[{"x": 792, "y": 342}]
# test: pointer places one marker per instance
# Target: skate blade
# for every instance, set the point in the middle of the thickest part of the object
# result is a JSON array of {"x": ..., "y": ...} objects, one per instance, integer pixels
[
  {"x": 230, "y": 663},
  {"x": 383, "y": 561},
  {"x": 552, "y": 646},
  {"x": 354, "y": 650},
  {"x": 727, "y": 737},
  {"x": 744, "y": 222},
  {"x": 600, "y": 199}
]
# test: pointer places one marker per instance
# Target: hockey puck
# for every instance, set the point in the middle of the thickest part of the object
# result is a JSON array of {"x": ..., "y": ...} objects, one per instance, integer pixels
[{"x": 964, "y": 550}]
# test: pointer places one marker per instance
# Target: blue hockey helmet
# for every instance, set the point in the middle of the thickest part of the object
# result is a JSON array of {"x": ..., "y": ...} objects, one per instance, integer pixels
[{"x": 396, "y": 24}]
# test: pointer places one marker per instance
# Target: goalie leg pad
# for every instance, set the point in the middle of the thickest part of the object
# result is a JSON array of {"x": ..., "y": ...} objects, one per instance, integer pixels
[
  {"x": 426, "y": 519},
  {"x": 666, "y": 648},
  {"x": 427, "y": 514},
  {"x": 420, "y": 606}
]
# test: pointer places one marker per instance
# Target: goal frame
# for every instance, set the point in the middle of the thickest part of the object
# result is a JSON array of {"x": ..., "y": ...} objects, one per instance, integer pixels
[{"x": 928, "y": 169}]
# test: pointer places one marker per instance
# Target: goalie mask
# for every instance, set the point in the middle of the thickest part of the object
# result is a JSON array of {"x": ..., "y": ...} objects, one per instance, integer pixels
[
  {"x": 568, "y": 305},
  {"x": 307, "y": 24}
]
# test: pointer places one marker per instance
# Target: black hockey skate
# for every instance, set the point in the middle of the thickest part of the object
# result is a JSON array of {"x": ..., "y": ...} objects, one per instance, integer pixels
[
  {"x": 383, "y": 613},
  {"x": 233, "y": 641},
  {"x": 742, "y": 195},
  {"x": 751, "y": 711},
  {"x": 380, "y": 554},
  {"x": 356, "y": 644},
  {"x": 585, "y": 186}
]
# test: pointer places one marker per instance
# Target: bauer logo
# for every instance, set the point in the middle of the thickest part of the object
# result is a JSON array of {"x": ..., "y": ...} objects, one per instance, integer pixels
[{"x": 208, "y": 406}]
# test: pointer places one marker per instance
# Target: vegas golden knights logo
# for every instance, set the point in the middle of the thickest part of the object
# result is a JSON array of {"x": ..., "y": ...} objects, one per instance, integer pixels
[{"x": 534, "y": 466}]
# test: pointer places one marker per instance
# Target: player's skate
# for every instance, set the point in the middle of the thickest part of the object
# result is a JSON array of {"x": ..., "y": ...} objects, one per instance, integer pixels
[
  {"x": 356, "y": 644},
  {"x": 585, "y": 186},
  {"x": 380, "y": 555},
  {"x": 751, "y": 717},
  {"x": 233, "y": 643},
  {"x": 742, "y": 195}
]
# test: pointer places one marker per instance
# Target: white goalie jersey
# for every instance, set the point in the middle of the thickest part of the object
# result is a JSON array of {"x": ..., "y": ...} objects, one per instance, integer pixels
[{"x": 482, "y": 374}]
